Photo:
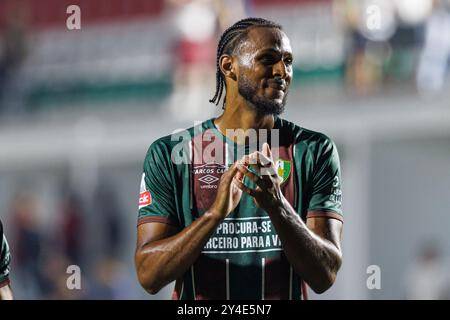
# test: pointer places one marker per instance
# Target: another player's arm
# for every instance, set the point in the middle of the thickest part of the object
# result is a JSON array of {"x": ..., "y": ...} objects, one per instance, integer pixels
[
  {"x": 6, "y": 293},
  {"x": 163, "y": 255},
  {"x": 5, "y": 260},
  {"x": 313, "y": 249}
]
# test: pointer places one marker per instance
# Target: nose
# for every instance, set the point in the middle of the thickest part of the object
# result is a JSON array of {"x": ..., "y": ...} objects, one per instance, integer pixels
[{"x": 280, "y": 70}]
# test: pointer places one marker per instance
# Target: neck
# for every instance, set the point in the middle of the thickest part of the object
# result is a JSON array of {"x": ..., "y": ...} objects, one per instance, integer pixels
[{"x": 239, "y": 114}]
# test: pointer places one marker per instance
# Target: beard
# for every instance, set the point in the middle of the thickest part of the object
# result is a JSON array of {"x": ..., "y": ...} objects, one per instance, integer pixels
[{"x": 262, "y": 104}]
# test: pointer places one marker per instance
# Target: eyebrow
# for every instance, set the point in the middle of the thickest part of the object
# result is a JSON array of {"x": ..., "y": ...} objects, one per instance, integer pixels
[{"x": 272, "y": 50}]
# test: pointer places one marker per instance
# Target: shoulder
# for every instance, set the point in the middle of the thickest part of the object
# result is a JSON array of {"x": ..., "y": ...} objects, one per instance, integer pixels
[
  {"x": 179, "y": 139},
  {"x": 162, "y": 144},
  {"x": 301, "y": 135}
]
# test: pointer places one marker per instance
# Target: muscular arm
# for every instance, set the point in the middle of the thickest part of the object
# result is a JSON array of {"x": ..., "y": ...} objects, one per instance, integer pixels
[
  {"x": 163, "y": 256},
  {"x": 6, "y": 293},
  {"x": 313, "y": 248}
]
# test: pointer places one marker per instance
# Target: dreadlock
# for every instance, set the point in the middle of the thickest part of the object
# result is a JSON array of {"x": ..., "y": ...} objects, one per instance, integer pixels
[{"x": 228, "y": 44}]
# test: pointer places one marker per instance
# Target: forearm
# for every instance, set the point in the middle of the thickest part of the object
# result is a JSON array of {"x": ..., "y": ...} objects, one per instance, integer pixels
[
  {"x": 315, "y": 259},
  {"x": 6, "y": 293},
  {"x": 163, "y": 261}
]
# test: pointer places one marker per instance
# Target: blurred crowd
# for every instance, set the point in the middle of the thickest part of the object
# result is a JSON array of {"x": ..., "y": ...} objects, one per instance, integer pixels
[
  {"x": 427, "y": 277},
  {"x": 42, "y": 254},
  {"x": 120, "y": 54}
]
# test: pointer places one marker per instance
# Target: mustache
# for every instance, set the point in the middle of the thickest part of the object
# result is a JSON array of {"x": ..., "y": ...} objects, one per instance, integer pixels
[{"x": 277, "y": 84}]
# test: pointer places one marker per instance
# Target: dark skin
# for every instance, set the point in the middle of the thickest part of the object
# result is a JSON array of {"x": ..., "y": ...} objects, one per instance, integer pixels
[{"x": 164, "y": 254}]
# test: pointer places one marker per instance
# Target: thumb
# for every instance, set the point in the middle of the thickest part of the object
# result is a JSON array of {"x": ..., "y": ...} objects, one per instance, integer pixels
[
  {"x": 266, "y": 150},
  {"x": 233, "y": 171}
]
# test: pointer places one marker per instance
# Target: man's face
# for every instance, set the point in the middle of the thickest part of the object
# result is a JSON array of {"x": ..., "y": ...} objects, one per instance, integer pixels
[{"x": 265, "y": 69}]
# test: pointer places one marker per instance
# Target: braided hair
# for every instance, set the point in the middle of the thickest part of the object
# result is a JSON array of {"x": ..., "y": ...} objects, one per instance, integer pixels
[{"x": 229, "y": 42}]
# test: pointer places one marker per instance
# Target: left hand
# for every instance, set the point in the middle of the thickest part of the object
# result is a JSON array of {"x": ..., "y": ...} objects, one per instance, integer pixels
[{"x": 267, "y": 194}]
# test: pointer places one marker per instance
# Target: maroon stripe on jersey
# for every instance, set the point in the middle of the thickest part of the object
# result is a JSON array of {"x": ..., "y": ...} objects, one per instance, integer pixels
[
  {"x": 177, "y": 291},
  {"x": 158, "y": 219},
  {"x": 210, "y": 278},
  {"x": 208, "y": 166},
  {"x": 327, "y": 214},
  {"x": 288, "y": 187},
  {"x": 276, "y": 278},
  {"x": 4, "y": 283}
]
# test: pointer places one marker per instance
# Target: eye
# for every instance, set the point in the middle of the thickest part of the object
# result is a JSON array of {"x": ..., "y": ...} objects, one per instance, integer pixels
[
  {"x": 288, "y": 61},
  {"x": 267, "y": 59}
]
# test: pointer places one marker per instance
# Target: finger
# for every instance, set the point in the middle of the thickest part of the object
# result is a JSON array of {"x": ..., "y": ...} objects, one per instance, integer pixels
[
  {"x": 265, "y": 166},
  {"x": 240, "y": 164},
  {"x": 264, "y": 160},
  {"x": 260, "y": 163},
  {"x": 231, "y": 172},
  {"x": 232, "y": 169},
  {"x": 244, "y": 188},
  {"x": 246, "y": 172},
  {"x": 256, "y": 202},
  {"x": 268, "y": 172},
  {"x": 260, "y": 182},
  {"x": 256, "y": 160},
  {"x": 264, "y": 170},
  {"x": 251, "y": 159},
  {"x": 266, "y": 150},
  {"x": 239, "y": 175},
  {"x": 249, "y": 162}
]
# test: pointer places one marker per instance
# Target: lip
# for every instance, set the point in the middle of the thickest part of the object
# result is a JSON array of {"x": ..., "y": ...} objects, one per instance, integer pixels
[{"x": 277, "y": 84}]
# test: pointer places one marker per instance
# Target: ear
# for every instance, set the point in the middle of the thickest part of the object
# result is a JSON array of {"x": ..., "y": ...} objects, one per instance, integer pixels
[{"x": 227, "y": 66}]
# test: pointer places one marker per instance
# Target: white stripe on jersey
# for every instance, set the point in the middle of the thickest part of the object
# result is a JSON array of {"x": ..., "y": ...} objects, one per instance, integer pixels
[
  {"x": 228, "y": 278},
  {"x": 193, "y": 282},
  {"x": 182, "y": 289},
  {"x": 262, "y": 280}
]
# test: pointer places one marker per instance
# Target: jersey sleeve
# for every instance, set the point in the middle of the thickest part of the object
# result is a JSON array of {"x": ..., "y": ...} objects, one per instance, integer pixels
[
  {"x": 157, "y": 189},
  {"x": 326, "y": 194},
  {"x": 5, "y": 259}
]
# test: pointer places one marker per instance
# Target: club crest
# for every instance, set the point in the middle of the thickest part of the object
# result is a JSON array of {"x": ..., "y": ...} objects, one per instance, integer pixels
[{"x": 283, "y": 168}]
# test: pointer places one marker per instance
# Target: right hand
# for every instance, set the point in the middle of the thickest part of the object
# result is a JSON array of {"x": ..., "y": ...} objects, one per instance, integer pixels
[{"x": 228, "y": 194}]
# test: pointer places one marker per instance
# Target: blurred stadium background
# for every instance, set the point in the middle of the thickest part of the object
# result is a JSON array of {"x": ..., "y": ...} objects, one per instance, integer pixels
[{"x": 79, "y": 108}]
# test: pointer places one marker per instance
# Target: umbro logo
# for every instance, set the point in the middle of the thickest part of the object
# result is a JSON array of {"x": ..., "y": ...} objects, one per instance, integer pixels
[{"x": 208, "y": 179}]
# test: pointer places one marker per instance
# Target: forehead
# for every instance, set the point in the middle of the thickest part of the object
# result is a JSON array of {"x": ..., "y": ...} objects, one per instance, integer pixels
[{"x": 261, "y": 38}]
